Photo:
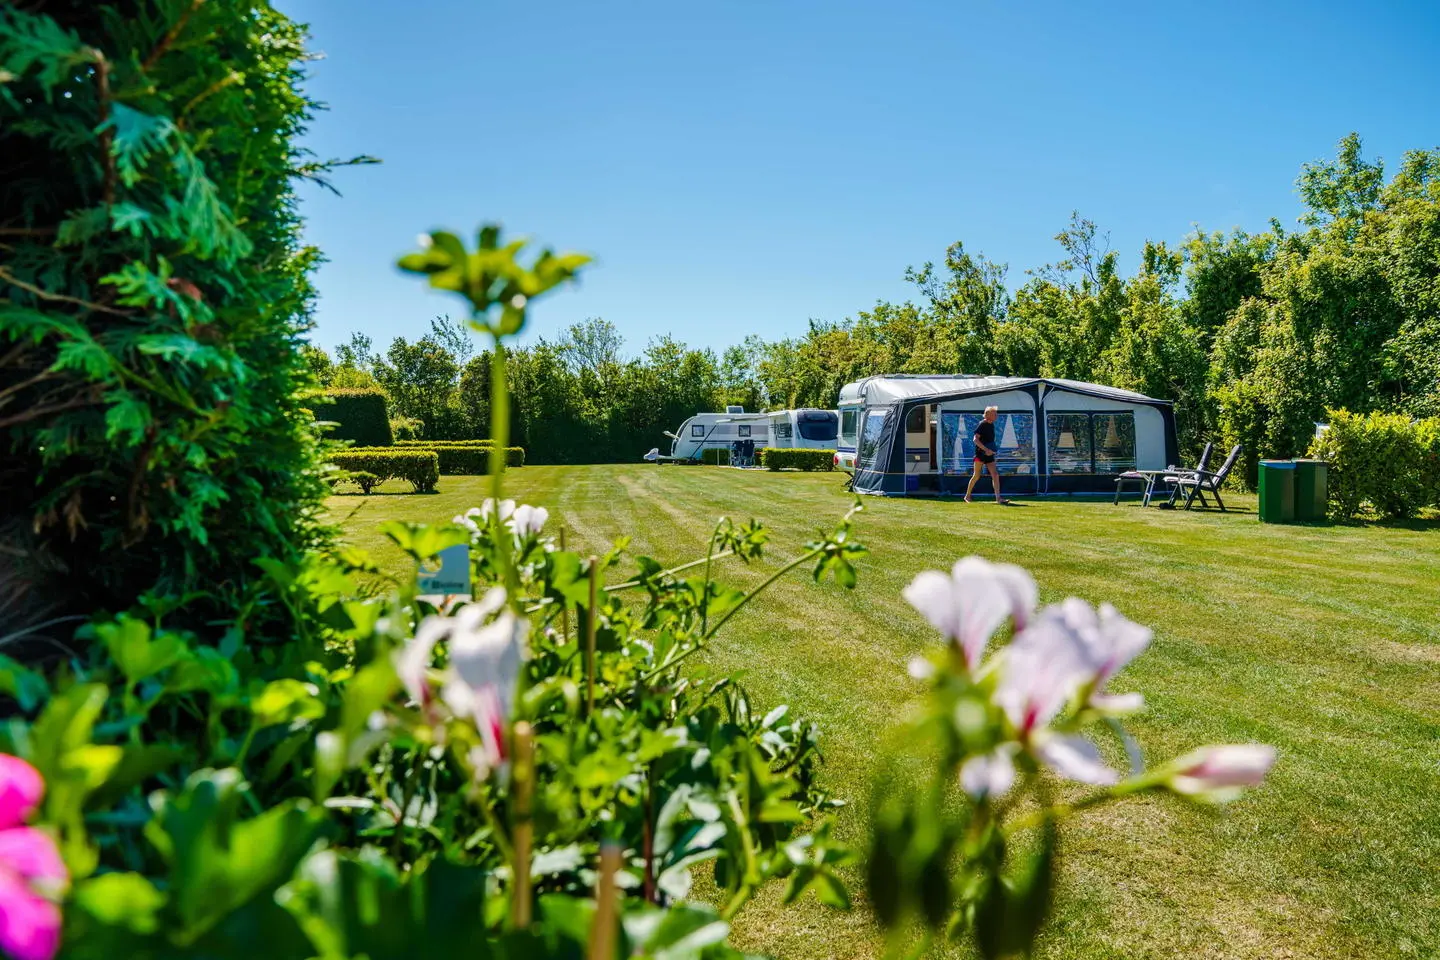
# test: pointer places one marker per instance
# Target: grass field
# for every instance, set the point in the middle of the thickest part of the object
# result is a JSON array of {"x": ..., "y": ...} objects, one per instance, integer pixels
[{"x": 1324, "y": 641}]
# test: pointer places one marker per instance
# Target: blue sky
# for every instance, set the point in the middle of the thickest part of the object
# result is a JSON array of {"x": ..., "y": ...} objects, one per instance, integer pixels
[{"x": 739, "y": 167}]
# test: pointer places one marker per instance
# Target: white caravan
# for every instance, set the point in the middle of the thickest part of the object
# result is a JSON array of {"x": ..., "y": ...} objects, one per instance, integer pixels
[
  {"x": 717, "y": 431},
  {"x": 804, "y": 429}
]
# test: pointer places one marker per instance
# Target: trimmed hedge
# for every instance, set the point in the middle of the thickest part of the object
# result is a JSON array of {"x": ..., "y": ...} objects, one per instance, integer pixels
[
  {"x": 359, "y": 413},
  {"x": 1385, "y": 460},
  {"x": 807, "y": 460},
  {"x": 420, "y": 467},
  {"x": 465, "y": 456},
  {"x": 715, "y": 456}
]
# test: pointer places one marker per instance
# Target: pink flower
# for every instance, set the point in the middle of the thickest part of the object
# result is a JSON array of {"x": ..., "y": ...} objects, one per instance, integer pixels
[
  {"x": 1222, "y": 773},
  {"x": 487, "y": 661},
  {"x": 968, "y": 605},
  {"x": 1047, "y": 665},
  {"x": 31, "y": 870},
  {"x": 990, "y": 774},
  {"x": 20, "y": 791},
  {"x": 1108, "y": 642},
  {"x": 486, "y": 656}
]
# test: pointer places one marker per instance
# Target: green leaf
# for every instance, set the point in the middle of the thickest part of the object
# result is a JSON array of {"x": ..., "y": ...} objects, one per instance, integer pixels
[
  {"x": 28, "y": 687},
  {"x": 125, "y": 900},
  {"x": 134, "y": 652},
  {"x": 65, "y": 725},
  {"x": 217, "y": 861},
  {"x": 286, "y": 701},
  {"x": 137, "y": 764},
  {"x": 423, "y": 541},
  {"x": 361, "y": 905},
  {"x": 560, "y": 860},
  {"x": 680, "y": 933}
]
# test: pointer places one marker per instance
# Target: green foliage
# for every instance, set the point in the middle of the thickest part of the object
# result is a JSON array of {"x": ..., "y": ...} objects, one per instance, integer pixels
[
  {"x": 360, "y": 415},
  {"x": 420, "y": 467},
  {"x": 715, "y": 456},
  {"x": 1384, "y": 462},
  {"x": 406, "y": 428},
  {"x": 153, "y": 293},
  {"x": 807, "y": 460},
  {"x": 460, "y": 457}
]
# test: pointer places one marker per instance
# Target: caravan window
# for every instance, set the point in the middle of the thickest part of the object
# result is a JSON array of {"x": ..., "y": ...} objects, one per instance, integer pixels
[
  {"x": 697, "y": 430},
  {"x": 782, "y": 431},
  {"x": 1014, "y": 441},
  {"x": 817, "y": 426},
  {"x": 849, "y": 422},
  {"x": 1114, "y": 442},
  {"x": 744, "y": 430},
  {"x": 1090, "y": 443},
  {"x": 1068, "y": 447},
  {"x": 870, "y": 438},
  {"x": 915, "y": 419}
]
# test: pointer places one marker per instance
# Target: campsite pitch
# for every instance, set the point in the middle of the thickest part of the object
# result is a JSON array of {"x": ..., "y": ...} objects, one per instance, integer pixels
[{"x": 1323, "y": 641}]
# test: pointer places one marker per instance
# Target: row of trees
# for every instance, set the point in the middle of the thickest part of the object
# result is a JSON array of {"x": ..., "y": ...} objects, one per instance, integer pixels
[
  {"x": 1254, "y": 336},
  {"x": 576, "y": 399}
]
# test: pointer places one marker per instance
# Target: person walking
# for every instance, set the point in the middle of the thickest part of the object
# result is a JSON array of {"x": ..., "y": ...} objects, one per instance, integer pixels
[{"x": 985, "y": 454}]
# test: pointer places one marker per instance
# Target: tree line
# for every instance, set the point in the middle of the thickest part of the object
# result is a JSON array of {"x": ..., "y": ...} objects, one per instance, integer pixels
[{"x": 1254, "y": 336}]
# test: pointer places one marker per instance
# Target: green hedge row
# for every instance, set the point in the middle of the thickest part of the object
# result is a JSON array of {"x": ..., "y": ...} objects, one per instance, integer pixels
[
  {"x": 359, "y": 415},
  {"x": 443, "y": 443},
  {"x": 806, "y": 460},
  {"x": 420, "y": 467},
  {"x": 1383, "y": 460},
  {"x": 715, "y": 456},
  {"x": 465, "y": 457}
]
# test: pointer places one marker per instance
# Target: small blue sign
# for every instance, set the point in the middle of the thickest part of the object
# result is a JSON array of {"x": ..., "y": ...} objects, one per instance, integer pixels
[{"x": 453, "y": 575}]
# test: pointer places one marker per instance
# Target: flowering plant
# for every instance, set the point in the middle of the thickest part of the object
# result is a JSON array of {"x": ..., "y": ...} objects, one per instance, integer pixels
[{"x": 1004, "y": 727}]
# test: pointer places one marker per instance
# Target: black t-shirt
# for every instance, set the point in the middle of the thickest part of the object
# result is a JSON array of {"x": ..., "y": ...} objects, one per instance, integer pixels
[{"x": 985, "y": 436}]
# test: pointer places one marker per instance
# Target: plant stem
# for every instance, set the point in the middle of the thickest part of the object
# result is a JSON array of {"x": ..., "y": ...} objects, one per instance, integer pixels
[
  {"x": 709, "y": 552},
  {"x": 1062, "y": 810},
  {"x": 808, "y": 555},
  {"x": 602, "y": 929},
  {"x": 500, "y": 433},
  {"x": 629, "y": 584},
  {"x": 592, "y": 621},
  {"x": 648, "y": 837},
  {"x": 564, "y": 608},
  {"x": 522, "y": 828}
]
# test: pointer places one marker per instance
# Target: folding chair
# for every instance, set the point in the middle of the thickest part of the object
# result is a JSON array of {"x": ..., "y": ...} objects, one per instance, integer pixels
[{"x": 1201, "y": 482}]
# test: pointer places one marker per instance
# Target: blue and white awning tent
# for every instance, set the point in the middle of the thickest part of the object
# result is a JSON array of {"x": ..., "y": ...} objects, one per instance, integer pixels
[{"x": 915, "y": 434}]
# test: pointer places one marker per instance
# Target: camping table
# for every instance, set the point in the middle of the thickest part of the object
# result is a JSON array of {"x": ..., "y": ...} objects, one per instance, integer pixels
[{"x": 1150, "y": 477}]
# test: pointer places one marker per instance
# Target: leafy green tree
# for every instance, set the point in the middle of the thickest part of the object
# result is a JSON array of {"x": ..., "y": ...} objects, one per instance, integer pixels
[{"x": 420, "y": 378}]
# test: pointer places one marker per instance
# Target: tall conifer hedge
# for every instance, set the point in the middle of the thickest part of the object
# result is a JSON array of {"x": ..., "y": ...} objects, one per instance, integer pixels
[{"x": 153, "y": 290}]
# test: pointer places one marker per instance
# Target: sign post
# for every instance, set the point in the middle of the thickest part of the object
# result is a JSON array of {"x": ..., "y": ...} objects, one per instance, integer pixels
[{"x": 451, "y": 579}]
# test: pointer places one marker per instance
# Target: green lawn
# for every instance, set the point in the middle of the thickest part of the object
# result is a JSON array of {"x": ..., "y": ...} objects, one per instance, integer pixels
[{"x": 1324, "y": 641}]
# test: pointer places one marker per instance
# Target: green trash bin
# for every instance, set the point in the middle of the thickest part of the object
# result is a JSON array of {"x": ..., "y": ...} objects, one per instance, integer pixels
[
  {"x": 1310, "y": 489},
  {"x": 1277, "y": 491}
]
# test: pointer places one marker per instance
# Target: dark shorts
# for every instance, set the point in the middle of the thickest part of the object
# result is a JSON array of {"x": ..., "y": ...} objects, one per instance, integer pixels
[{"x": 985, "y": 458}]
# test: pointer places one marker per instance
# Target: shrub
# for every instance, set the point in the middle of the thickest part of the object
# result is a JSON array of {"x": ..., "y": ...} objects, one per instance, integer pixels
[
  {"x": 359, "y": 415},
  {"x": 807, "y": 460},
  {"x": 715, "y": 456},
  {"x": 154, "y": 290},
  {"x": 1384, "y": 460},
  {"x": 420, "y": 467},
  {"x": 465, "y": 457},
  {"x": 365, "y": 481},
  {"x": 407, "y": 428}
]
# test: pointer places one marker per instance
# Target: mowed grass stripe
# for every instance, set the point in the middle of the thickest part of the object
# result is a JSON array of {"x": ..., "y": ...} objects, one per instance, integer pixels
[{"x": 1321, "y": 640}]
